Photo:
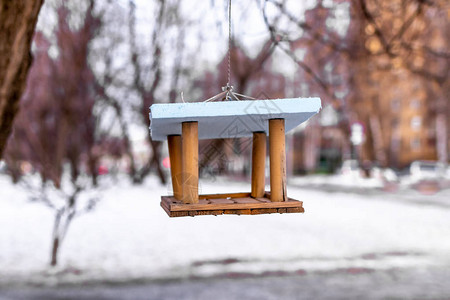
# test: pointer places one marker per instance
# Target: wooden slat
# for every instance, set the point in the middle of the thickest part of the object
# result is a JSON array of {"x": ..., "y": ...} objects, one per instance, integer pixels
[
  {"x": 245, "y": 200},
  {"x": 220, "y": 201},
  {"x": 261, "y": 211},
  {"x": 237, "y": 212},
  {"x": 263, "y": 200},
  {"x": 184, "y": 207},
  {"x": 238, "y": 206},
  {"x": 180, "y": 214},
  {"x": 232, "y": 212},
  {"x": 295, "y": 210},
  {"x": 165, "y": 207},
  {"x": 219, "y": 196},
  {"x": 191, "y": 207}
]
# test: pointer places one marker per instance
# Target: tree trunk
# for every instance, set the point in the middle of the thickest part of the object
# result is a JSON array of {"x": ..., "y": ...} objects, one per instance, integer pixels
[
  {"x": 17, "y": 23},
  {"x": 312, "y": 145},
  {"x": 63, "y": 219},
  {"x": 154, "y": 160},
  {"x": 93, "y": 168},
  {"x": 56, "y": 238},
  {"x": 441, "y": 131},
  {"x": 55, "y": 248},
  {"x": 377, "y": 137}
]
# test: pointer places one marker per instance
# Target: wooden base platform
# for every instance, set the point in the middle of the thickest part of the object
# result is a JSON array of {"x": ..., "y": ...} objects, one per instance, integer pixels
[{"x": 229, "y": 204}]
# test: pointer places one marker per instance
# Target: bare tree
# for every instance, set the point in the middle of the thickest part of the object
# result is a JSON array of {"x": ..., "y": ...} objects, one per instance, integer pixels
[
  {"x": 57, "y": 130},
  {"x": 147, "y": 82},
  {"x": 382, "y": 38},
  {"x": 147, "y": 89}
]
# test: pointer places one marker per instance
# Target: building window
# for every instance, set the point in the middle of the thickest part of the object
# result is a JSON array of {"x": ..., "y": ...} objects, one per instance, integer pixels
[
  {"x": 395, "y": 122},
  {"x": 416, "y": 122},
  {"x": 415, "y": 144},
  {"x": 395, "y": 104},
  {"x": 415, "y": 103}
]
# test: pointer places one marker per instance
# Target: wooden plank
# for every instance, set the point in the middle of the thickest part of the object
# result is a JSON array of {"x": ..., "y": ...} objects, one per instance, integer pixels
[
  {"x": 220, "y": 196},
  {"x": 245, "y": 200},
  {"x": 277, "y": 155},
  {"x": 209, "y": 212},
  {"x": 203, "y": 201},
  {"x": 264, "y": 211},
  {"x": 237, "y": 212},
  {"x": 174, "y": 143},
  {"x": 263, "y": 200},
  {"x": 166, "y": 209},
  {"x": 179, "y": 214},
  {"x": 165, "y": 204},
  {"x": 225, "y": 212},
  {"x": 182, "y": 206},
  {"x": 190, "y": 162},
  {"x": 258, "y": 164},
  {"x": 167, "y": 201},
  {"x": 295, "y": 210},
  {"x": 282, "y": 210},
  {"x": 256, "y": 205},
  {"x": 220, "y": 201},
  {"x": 170, "y": 200},
  {"x": 240, "y": 206}
]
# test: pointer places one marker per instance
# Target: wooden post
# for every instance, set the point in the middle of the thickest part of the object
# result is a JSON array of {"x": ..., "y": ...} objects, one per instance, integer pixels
[
  {"x": 277, "y": 154},
  {"x": 190, "y": 162},
  {"x": 176, "y": 170},
  {"x": 258, "y": 164}
]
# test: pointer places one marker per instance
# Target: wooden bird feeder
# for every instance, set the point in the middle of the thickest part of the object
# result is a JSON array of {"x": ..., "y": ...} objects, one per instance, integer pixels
[{"x": 183, "y": 124}]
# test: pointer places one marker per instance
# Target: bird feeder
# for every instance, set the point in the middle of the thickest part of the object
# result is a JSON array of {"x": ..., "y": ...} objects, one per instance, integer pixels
[{"x": 184, "y": 124}]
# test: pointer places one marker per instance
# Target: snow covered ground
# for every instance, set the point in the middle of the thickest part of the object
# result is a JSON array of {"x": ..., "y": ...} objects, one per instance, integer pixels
[{"x": 129, "y": 237}]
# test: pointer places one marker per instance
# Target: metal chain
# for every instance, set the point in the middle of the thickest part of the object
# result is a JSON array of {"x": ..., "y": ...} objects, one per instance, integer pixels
[
  {"x": 229, "y": 42},
  {"x": 227, "y": 90},
  {"x": 228, "y": 87}
]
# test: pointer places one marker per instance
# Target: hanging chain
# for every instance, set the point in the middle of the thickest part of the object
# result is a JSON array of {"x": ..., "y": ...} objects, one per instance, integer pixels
[
  {"x": 229, "y": 88},
  {"x": 229, "y": 43},
  {"x": 227, "y": 91}
]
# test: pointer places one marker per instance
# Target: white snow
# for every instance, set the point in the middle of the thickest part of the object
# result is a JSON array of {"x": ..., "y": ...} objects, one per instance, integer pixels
[
  {"x": 129, "y": 236},
  {"x": 352, "y": 179}
]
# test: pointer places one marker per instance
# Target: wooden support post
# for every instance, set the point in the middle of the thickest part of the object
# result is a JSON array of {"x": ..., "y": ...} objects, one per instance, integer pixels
[
  {"x": 258, "y": 164},
  {"x": 277, "y": 153},
  {"x": 190, "y": 162},
  {"x": 176, "y": 170}
]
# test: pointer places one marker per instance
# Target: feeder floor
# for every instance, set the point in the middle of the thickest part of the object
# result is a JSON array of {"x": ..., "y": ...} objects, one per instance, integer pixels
[{"x": 229, "y": 204}]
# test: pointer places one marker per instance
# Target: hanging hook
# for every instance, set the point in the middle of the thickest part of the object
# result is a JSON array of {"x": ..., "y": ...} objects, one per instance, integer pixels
[{"x": 228, "y": 89}]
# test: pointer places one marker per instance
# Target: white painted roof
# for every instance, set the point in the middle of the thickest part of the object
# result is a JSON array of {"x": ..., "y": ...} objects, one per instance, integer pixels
[{"x": 230, "y": 119}]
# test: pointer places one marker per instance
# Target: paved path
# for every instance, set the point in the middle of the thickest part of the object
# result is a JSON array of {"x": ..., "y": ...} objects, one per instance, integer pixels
[{"x": 431, "y": 283}]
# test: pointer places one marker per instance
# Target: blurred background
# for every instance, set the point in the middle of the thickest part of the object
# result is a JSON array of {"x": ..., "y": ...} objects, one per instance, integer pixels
[{"x": 371, "y": 167}]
